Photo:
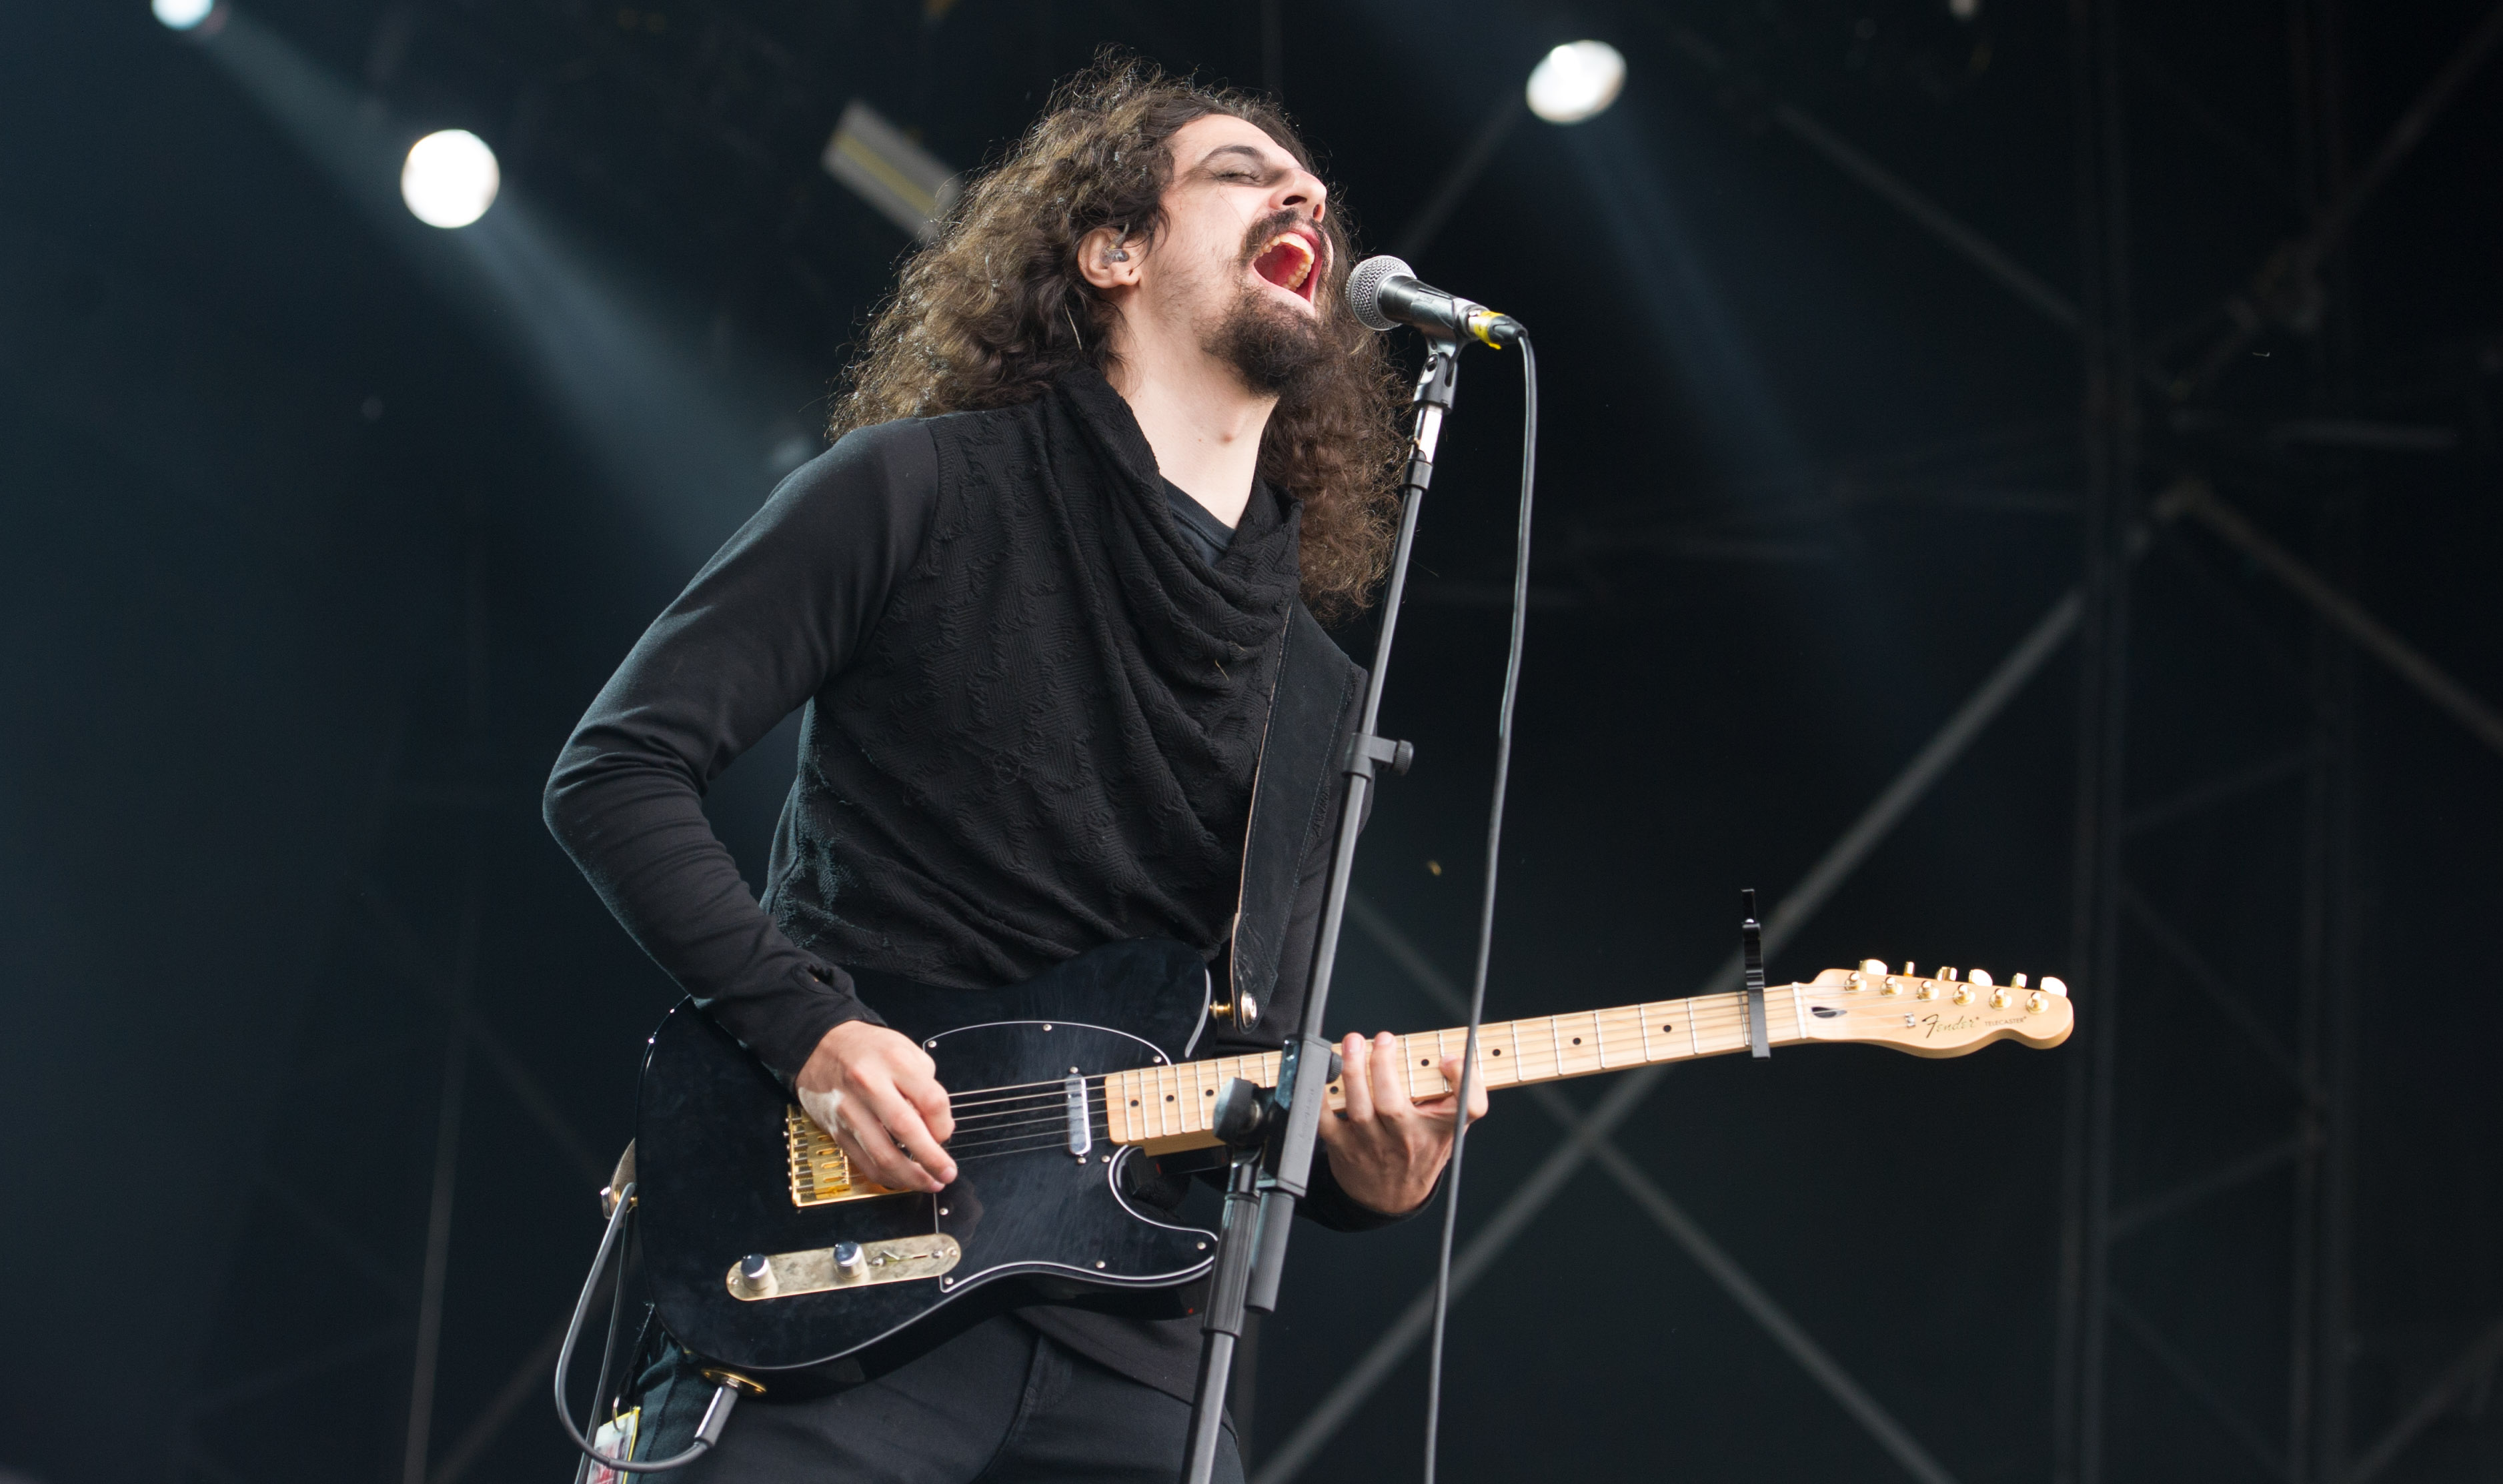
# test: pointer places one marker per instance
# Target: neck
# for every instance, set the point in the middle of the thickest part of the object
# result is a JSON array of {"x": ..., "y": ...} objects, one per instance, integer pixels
[
  {"x": 1203, "y": 423},
  {"x": 1170, "y": 1108}
]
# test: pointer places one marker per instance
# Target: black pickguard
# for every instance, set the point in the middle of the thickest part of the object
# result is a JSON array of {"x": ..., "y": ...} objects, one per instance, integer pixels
[{"x": 1037, "y": 1224}]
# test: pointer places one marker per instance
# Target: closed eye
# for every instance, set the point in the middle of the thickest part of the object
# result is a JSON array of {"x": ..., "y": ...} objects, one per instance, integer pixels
[{"x": 1242, "y": 163}]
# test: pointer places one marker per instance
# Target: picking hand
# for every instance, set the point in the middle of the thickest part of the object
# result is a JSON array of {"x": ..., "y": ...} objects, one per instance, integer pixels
[{"x": 878, "y": 1094}]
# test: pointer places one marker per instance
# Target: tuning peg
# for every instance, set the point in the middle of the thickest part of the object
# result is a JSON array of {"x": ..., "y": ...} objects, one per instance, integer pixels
[
  {"x": 2052, "y": 985},
  {"x": 2017, "y": 982},
  {"x": 1979, "y": 976}
]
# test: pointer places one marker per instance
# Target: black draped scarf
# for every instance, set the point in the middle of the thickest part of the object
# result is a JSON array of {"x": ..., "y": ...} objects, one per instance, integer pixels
[{"x": 1049, "y": 739}]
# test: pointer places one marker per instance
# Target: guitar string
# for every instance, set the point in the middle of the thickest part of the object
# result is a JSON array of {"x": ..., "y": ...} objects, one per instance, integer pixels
[
  {"x": 1035, "y": 1103},
  {"x": 1735, "y": 1014},
  {"x": 993, "y": 1130},
  {"x": 1097, "y": 1130},
  {"x": 1012, "y": 1107},
  {"x": 1045, "y": 1104},
  {"x": 1718, "y": 1019},
  {"x": 1052, "y": 1108},
  {"x": 1037, "y": 1148},
  {"x": 1051, "y": 1087},
  {"x": 1009, "y": 1105},
  {"x": 1719, "y": 1022},
  {"x": 1000, "y": 1139},
  {"x": 998, "y": 1132}
]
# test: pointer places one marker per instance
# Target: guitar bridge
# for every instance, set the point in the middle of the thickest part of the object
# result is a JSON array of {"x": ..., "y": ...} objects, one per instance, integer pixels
[{"x": 821, "y": 1174}]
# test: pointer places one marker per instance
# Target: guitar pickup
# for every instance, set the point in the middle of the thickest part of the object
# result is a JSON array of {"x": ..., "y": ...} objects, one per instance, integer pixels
[
  {"x": 843, "y": 1265},
  {"x": 1082, "y": 1133}
]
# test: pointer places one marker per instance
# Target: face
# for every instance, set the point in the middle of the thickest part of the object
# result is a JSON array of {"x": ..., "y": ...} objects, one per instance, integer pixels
[{"x": 1241, "y": 261}]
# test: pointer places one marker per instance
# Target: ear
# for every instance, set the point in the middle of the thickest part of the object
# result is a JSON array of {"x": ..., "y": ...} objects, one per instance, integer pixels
[{"x": 1106, "y": 262}]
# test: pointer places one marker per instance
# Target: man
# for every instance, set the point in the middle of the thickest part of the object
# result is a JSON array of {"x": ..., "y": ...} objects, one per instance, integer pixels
[{"x": 1116, "y": 426}]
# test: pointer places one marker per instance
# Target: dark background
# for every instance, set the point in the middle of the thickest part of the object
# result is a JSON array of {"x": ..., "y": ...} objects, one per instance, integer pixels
[{"x": 320, "y": 527}]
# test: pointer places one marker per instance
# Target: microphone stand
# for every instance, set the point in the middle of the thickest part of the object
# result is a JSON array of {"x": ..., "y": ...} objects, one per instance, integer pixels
[{"x": 1272, "y": 1137}]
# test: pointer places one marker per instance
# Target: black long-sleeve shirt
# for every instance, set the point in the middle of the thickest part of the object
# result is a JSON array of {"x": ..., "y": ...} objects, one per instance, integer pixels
[{"x": 1033, "y": 707}]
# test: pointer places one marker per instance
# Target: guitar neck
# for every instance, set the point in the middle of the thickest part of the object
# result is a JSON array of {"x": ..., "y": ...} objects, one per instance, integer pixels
[{"x": 1168, "y": 1108}]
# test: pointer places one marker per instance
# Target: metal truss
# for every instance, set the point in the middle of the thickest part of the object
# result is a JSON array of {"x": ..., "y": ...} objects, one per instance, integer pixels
[
  {"x": 336, "y": 1216},
  {"x": 2134, "y": 947}
]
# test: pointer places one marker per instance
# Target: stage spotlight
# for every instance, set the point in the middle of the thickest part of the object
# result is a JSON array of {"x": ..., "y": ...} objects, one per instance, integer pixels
[
  {"x": 190, "y": 14},
  {"x": 1576, "y": 81},
  {"x": 449, "y": 178}
]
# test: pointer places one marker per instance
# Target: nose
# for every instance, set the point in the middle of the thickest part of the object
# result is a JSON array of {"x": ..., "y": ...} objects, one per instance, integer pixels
[{"x": 1301, "y": 190}]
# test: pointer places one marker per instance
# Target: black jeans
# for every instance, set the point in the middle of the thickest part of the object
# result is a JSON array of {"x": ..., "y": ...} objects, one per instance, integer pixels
[{"x": 1000, "y": 1404}]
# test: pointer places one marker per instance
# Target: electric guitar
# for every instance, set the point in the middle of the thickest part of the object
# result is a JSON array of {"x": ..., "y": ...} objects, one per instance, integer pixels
[{"x": 770, "y": 1263}]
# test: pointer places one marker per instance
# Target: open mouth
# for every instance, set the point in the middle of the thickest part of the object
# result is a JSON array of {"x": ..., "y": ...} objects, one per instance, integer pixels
[{"x": 1289, "y": 261}]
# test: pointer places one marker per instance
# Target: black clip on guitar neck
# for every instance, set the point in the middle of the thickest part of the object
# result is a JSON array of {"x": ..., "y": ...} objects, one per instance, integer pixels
[{"x": 1752, "y": 940}]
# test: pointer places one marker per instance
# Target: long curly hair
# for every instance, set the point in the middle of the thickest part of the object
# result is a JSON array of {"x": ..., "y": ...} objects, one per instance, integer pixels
[{"x": 994, "y": 304}]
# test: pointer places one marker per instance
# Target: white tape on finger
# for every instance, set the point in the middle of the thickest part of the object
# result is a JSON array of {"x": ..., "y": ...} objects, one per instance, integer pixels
[{"x": 823, "y": 1106}]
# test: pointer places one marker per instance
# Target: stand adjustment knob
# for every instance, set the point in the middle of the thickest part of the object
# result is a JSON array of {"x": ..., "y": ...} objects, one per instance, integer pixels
[
  {"x": 1364, "y": 751},
  {"x": 1241, "y": 1116}
]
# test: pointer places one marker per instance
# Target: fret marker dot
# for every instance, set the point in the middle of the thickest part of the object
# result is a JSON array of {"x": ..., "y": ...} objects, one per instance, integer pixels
[
  {"x": 1168, "y": 1097},
  {"x": 1577, "y": 1041}
]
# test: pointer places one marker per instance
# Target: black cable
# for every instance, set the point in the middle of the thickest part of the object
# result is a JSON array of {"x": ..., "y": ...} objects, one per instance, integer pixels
[
  {"x": 1486, "y": 914},
  {"x": 607, "y": 1359},
  {"x": 716, "y": 1415}
]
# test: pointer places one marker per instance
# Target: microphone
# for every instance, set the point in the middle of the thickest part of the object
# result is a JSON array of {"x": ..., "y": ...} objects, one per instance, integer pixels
[{"x": 1385, "y": 291}]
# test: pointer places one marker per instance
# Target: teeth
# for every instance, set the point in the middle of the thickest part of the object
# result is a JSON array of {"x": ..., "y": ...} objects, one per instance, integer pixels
[{"x": 1304, "y": 258}]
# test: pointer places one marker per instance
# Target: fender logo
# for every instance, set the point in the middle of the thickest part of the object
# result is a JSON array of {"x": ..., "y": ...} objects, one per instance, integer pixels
[{"x": 1967, "y": 1023}]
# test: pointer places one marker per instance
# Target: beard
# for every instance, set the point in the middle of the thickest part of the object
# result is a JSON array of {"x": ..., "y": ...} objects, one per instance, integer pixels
[{"x": 1275, "y": 351}]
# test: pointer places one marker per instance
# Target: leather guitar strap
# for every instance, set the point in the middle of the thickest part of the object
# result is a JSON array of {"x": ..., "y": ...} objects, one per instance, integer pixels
[{"x": 1289, "y": 794}]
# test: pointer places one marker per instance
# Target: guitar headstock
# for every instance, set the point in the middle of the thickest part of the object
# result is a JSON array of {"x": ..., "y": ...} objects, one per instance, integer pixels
[{"x": 1939, "y": 1013}]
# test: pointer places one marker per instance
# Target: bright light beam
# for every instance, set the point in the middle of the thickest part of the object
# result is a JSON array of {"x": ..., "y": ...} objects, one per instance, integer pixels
[
  {"x": 669, "y": 437},
  {"x": 1577, "y": 81},
  {"x": 1688, "y": 314},
  {"x": 186, "y": 15},
  {"x": 449, "y": 178}
]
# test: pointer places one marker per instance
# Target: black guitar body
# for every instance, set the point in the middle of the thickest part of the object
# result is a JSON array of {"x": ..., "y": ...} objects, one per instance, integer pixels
[{"x": 1035, "y": 1222}]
